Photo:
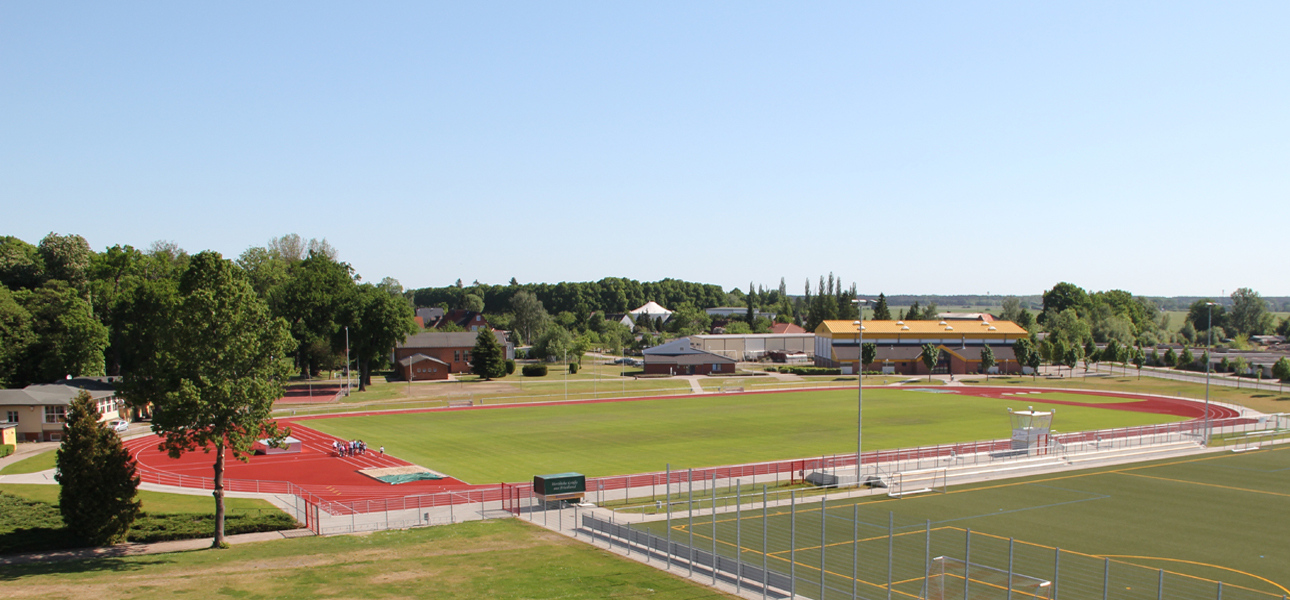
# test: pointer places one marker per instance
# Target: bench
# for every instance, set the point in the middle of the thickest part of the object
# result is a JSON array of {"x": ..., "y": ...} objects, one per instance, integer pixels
[{"x": 460, "y": 403}]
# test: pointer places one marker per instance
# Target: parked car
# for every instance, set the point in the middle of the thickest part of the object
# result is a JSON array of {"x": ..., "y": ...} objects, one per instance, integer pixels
[{"x": 119, "y": 425}]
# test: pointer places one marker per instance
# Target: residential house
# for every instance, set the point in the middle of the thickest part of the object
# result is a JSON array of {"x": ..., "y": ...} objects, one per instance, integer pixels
[
  {"x": 438, "y": 354},
  {"x": 38, "y": 411}
]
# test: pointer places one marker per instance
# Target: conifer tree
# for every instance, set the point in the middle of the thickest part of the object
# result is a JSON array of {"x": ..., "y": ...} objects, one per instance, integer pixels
[
  {"x": 99, "y": 483},
  {"x": 880, "y": 310},
  {"x": 487, "y": 359}
]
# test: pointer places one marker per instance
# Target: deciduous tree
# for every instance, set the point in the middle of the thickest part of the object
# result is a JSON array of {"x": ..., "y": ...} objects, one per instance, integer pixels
[
  {"x": 377, "y": 320},
  {"x": 931, "y": 354},
  {"x": 215, "y": 370}
]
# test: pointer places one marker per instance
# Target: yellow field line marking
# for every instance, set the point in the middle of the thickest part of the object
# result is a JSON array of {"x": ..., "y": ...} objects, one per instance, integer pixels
[
  {"x": 1201, "y": 564},
  {"x": 1213, "y": 485}
]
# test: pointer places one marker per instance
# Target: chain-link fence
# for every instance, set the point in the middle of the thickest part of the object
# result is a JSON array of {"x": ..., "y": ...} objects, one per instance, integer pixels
[{"x": 816, "y": 548}]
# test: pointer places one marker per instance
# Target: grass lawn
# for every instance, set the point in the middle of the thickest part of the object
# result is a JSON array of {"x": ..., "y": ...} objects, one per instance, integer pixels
[
  {"x": 489, "y": 446},
  {"x": 1260, "y": 400},
  {"x": 509, "y": 390},
  {"x": 506, "y": 559},
  {"x": 157, "y": 503},
  {"x": 32, "y": 464},
  {"x": 1214, "y": 517}
]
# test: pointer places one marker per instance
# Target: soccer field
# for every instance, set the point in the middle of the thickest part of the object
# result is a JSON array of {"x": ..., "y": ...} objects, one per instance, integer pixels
[
  {"x": 1188, "y": 523},
  {"x": 610, "y": 438}
]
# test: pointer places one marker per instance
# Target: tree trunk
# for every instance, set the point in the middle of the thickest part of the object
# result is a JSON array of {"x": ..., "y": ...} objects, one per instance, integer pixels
[
  {"x": 219, "y": 495},
  {"x": 362, "y": 375}
]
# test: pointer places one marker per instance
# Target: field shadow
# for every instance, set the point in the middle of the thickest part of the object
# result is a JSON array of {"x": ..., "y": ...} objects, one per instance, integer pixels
[{"x": 69, "y": 566}]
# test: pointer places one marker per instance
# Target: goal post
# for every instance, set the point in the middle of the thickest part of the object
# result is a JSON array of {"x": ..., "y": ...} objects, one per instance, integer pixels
[
  {"x": 950, "y": 578},
  {"x": 931, "y": 481}
]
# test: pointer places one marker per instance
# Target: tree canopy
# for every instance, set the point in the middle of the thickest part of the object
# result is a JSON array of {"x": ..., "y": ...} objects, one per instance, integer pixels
[{"x": 214, "y": 369}]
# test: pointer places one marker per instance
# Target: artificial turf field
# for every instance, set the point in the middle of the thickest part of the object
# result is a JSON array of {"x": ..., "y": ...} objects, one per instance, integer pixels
[
  {"x": 613, "y": 438},
  {"x": 1202, "y": 519}
]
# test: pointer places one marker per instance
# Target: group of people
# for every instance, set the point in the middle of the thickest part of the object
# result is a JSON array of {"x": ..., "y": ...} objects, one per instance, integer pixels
[{"x": 351, "y": 448}]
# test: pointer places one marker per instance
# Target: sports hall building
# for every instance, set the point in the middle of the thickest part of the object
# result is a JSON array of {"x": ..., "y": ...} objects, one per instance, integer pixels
[{"x": 899, "y": 345}]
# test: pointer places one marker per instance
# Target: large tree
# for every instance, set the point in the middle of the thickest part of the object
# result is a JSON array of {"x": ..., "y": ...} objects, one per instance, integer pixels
[
  {"x": 531, "y": 318},
  {"x": 214, "y": 369},
  {"x": 377, "y": 320},
  {"x": 868, "y": 352},
  {"x": 487, "y": 358},
  {"x": 312, "y": 300},
  {"x": 67, "y": 338},
  {"x": 1250, "y": 314},
  {"x": 15, "y": 337},
  {"x": 1063, "y": 296},
  {"x": 97, "y": 475}
]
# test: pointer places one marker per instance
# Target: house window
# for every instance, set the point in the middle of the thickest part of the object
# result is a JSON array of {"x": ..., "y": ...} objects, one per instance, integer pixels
[
  {"x": 11, "y": 416},
  {"x": 456, "y": 356},
  {"x": 468, "y": 356},
  {"x": 55, "y": 414}
]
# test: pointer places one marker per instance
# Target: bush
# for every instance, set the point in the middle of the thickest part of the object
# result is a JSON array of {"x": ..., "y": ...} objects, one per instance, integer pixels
[
  {"x": 510, "y": 367},
  {"x": 534, "y": 370},
  {"x": 573, "y": 368},
  {"x": 810, "y": 371},
  {"x": 164, "y": 528},
  {"x": 6, "y": 450}
]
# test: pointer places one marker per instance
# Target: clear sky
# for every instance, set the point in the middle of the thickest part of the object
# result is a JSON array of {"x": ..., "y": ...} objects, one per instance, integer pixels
[{"x": 928, "y": 147}]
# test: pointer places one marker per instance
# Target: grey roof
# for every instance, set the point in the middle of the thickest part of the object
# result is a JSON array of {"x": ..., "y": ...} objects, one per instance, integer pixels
[
  {"x": 419, "y": 357},
  {"x": 48, "y": 394},
  {"x": 673, "y": 348},
  {"x": 682, "y": 353},
  {"x": 439, "y": 339}
]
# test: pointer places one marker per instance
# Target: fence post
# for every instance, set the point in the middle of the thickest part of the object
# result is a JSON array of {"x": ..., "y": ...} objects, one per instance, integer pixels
[
  {"x": 668, "y": 499},
  {"x": 690, "y": 476},
  {"x": 1220, "y": 590},
  {"x": 1160, "y": 587},
  {"x": 1057, "y": 572},
  {"x": 927, "y": 562},
  {"x": 714, "y": 528},
  {"x": 967, "y": 563},
  {"x": 891, "y": 541},
  {"x": 824, "y": 514},
  {"x": 1010, "y": 555},
  {"x": 765, "y": 576},
  {"x": 1106, "y": 578},
  {"x": 739, "y": 565},
  {"x": 792, "y": 543}
]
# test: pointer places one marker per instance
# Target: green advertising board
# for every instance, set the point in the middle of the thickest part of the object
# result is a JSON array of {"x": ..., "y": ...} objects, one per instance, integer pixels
[{"x": 561, "y": 484}]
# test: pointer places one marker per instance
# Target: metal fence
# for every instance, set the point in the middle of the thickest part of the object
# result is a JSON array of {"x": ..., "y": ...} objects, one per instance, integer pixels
[{"x": 831, "y": 551}]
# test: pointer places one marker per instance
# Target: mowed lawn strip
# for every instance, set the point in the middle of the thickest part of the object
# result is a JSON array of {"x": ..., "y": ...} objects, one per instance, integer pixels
[
  {"x": 506, "y": 559},
  {"x": 157, "y": 503},
  {"x": 513, "y": 444}
]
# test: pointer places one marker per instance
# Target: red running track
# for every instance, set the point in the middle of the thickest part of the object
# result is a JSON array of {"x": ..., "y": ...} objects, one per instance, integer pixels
[{"x": 318, "y": 472}]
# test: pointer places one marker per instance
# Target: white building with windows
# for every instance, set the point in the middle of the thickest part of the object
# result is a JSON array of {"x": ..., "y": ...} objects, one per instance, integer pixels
[{"x": 39, "y": 410}]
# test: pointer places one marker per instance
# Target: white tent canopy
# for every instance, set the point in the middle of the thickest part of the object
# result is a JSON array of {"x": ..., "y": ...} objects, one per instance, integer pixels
[{"x": 653, "y": 309}]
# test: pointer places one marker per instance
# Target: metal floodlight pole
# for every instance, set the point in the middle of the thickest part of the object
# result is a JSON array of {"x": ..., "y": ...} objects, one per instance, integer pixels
[
  {"x": 347, "y": 388},
  {"x": 859, "y": 384},
  {"x": 1209, "y": 343}
]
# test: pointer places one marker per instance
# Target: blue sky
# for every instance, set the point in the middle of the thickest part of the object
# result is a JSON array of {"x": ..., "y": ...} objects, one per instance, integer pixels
[{"x": 934, "y": 147}]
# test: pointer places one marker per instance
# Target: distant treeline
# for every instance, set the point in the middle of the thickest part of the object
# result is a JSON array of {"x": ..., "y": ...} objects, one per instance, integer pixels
[{"x": 609, "y": 295}]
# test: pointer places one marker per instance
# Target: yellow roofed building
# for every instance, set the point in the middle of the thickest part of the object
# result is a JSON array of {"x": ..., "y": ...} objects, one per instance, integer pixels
[{"x": 899, "y": 345}]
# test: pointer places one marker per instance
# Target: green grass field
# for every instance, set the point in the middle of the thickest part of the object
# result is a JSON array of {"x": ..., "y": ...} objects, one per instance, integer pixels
[
  {"x": 507, "y": 560},
  {"x": 32, "y": 464},
  {"x": 1203, "y": 519},
  {"x": 597, "y": 439}
]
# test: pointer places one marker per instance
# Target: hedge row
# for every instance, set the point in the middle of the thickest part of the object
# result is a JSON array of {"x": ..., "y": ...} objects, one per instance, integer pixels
[
  {"x": 534, "y": 370},
  {"x": 6, "y": 450},
  {"x": 164, "y": 528}
]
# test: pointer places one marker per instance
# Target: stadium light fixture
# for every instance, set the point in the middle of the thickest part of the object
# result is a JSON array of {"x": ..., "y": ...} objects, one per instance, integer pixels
[{"x": 859, "y": 384}]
